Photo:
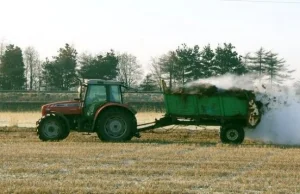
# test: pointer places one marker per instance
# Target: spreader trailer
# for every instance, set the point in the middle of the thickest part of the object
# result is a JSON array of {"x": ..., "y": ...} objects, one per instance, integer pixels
[
  {"x": 234, "y": 110},
  {"x": 100, "y": 109}
]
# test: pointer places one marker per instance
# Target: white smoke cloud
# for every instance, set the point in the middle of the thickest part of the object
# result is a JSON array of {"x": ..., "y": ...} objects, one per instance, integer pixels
[
  {"x": 279, "y": 126},
  {"x": 280, "y": 123},
  {"x": 228, "y": 81}
]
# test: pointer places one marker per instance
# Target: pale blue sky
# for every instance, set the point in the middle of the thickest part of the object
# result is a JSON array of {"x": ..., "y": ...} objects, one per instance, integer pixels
[{"x": 149, "y": 28}]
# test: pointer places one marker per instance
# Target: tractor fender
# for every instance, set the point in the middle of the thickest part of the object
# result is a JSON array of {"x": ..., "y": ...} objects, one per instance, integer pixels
[
  {"x": 60, "y": 115},
  {"x": 107, "y": 105}
]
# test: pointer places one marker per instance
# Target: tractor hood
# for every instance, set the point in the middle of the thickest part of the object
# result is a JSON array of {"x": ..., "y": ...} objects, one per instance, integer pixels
[{"x": 64, "y": 107}]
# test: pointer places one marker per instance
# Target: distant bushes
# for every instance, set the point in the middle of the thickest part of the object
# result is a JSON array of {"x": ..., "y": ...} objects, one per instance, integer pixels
[
  {"x": 32, "y": 101},
  {"x": 36, "y": 96}
]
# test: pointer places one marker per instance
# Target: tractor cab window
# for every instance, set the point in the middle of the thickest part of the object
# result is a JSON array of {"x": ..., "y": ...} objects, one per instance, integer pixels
[
  {"x": 115, "y": 94},
  {"x": 95, "y": 94}
]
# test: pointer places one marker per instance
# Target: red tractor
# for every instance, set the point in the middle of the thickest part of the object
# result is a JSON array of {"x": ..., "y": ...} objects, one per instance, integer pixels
[{"x": 99, "y": 109}]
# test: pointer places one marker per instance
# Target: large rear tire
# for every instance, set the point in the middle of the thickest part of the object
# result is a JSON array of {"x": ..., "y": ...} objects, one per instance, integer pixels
[
  {"x": 116, "y": 125},
  {"x": 65, "y": 134},
  {"x": 52, "y": 128},
  {"x": 231, "y": 134}
]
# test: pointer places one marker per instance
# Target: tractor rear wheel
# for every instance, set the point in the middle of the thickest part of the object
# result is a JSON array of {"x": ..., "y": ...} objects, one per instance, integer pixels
[
  {"x": 231, "y": 134},
  {"x": 116, "y": 125},
  {"x": 52, "y": 128}
]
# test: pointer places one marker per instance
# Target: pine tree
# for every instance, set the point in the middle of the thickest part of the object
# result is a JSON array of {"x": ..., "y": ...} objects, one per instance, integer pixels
[
  {"x": 148, "y": 83},
  {"x": 60, "y": 73},
  {"x": 12, "y": 69},
  {"x": 207, "y": 57},
  {"x": 258, "y": 61},
  {"x": 99, "y": 67},
  {"x": 227, "y": 60},
  {"x": 187, "y": 64},
  {"x": 276, "y": 68}
]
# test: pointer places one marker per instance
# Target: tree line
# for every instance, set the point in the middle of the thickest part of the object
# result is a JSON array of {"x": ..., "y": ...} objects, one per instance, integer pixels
[{"x": 24, "y": 70}]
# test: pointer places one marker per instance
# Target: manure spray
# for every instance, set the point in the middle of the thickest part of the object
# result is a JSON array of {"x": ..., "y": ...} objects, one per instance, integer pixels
[{"x": 280, "y": 120}]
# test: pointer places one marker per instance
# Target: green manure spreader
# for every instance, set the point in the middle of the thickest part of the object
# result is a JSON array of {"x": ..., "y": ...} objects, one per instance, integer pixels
[
  {"x": 100, "y": 108},
  {"x": 234, "y": 110}
]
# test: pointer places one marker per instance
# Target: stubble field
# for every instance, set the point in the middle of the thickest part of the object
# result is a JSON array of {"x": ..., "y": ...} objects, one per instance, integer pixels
[{"x": 163, "y": 161}]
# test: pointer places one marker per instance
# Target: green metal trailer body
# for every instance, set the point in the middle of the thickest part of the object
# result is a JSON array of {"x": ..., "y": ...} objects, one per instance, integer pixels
[
  {"x": 233, "y": 110},
  {"x": 202, "y": 103},
  {"x": 207, "y": 106}
]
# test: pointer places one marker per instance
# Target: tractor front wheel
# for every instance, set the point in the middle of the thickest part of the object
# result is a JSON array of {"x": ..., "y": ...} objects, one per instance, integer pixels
[
  {"x": 51, "y": 128},
  {"x": 116, "y": 125}
]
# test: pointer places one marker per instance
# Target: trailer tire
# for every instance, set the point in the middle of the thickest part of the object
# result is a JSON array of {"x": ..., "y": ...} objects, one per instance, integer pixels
[
  {"x": 52, "y": 128},
  {"x": 116, "y": 125},
  {"x": 231, "y": 134}
]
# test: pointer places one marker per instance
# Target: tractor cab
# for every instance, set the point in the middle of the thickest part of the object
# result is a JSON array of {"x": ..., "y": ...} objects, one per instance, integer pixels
[{"x": 96, "y": 92}]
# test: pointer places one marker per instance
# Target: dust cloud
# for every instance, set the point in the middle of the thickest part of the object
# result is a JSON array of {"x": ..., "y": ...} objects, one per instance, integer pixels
[{"x": 280, "y": 122}]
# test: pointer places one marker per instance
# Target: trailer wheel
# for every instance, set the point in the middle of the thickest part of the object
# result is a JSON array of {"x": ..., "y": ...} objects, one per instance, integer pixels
[
  {"x": 232, "y": 134},
  {"x": 51, "y": 128},
  {"x": 116, "y": 124}
]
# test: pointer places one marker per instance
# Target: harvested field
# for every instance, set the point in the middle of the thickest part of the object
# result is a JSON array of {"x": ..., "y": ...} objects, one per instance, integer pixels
[
  {"x": 28, "y": 119},
  {"x": 164, "y": 161}
]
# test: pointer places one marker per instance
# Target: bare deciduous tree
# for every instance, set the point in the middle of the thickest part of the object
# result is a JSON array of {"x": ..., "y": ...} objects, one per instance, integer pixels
[
  {"x": 2, "y": 48},
  {"x": 130, "y": 71},
  {"x": 32, "y": 68},
  {"x": 168, "y": 65},
  {"x": 156, "y": 70}
]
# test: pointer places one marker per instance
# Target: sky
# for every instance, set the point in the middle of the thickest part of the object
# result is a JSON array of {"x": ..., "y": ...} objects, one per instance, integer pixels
[{"x": 150, "y": 28}]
